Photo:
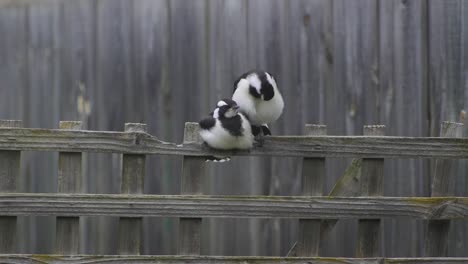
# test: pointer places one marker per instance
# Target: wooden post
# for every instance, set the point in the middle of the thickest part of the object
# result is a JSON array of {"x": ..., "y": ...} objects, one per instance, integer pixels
[
  {"x": 437, "y": 230},
  {"x": 67, "y": 238},
  {"x": 193, "y": 170},
  {"x": 371, "y": 185},
  {"x": 9, "y": 173},
  {"x": 133, "y": 177},
  {"x": 313, "y": 174}
]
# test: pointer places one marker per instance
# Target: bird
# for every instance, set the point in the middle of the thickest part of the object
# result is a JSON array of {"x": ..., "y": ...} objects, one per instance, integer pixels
[
  {"x": 259, "y": 99},
  {"x": 226, "y": 128}
]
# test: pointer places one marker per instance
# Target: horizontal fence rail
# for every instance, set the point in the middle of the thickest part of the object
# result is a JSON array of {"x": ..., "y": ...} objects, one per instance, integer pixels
[
  {"x": 232, "y": 206},
  {"x": 28, "y": 139},
  {"x": 35, "y": 259}
]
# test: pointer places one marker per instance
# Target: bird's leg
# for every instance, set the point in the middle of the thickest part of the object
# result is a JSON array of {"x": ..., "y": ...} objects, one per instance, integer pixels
[
  {"x": 258, "y": 137},
  {"x": 266, "y": 130}
]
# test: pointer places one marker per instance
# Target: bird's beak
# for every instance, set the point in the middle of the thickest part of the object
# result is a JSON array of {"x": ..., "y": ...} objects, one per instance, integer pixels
[{"x": 236, "y": 108}]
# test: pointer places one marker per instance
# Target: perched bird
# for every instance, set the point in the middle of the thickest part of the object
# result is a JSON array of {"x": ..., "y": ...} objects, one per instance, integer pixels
[
  {"x": 226, "y": 128},
  {"x": 259, "y": 99}
]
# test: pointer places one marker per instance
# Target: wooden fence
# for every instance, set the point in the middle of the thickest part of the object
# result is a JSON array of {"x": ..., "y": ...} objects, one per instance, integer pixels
[{"x": 352, "y": 197}]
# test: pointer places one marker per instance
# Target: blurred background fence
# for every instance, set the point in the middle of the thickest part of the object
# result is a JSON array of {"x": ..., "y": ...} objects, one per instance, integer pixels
[{"x": 344, "y": 63}]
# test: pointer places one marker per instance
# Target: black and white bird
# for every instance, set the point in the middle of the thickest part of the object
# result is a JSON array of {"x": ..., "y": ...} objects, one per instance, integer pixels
[
  {"x": 258, "y": 97},
  {"x": 226, "y": 128}
]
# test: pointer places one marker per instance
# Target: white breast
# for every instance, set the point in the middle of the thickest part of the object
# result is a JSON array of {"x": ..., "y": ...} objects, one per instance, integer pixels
[
  {"x": 268, "y": 111},
  {"x": 259, "y": 111},
  {"x": 219, "y": 138}
]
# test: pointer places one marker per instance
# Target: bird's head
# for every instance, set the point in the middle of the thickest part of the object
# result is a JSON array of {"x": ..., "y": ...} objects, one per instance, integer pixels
[
  {"x": 261, "y": 85},
  {"x": 226, "y": 108}
]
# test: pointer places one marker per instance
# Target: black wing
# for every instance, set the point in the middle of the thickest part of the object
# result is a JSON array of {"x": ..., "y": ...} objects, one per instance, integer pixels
[
  {"x": 207, "y": 123},
  {"x": 243, "y": 76},
  {"x": 233, "y": 125}
]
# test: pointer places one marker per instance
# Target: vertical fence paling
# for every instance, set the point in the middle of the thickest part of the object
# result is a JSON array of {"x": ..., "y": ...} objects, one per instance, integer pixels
[
  {"x": 67, "y": 238},
  {"x": 193, "y": 169},
  {"x": 9, "y": 173},
  {"x": 133, "y": 177},
  {"x": 369, "y": 230},
  {"x": 313, "y": 174},
  {"x": 437, "y": 230}
]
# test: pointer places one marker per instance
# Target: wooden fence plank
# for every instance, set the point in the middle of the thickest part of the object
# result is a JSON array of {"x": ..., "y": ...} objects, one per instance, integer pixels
[
  {"x": 199, "y": 206},
  {"x": 371, "y": 185},
  {"x": 67, "y": 238},
  {"x": 291, "y": 146},
  {"x": 193, "y": 169},
  {"x": 133, "y": 176},
  {"x": 89, "y": 259},
  {"x": 437, "y": 230},
  {"x": 9, "y": 173},
  {"x": 313, "y": 174}
]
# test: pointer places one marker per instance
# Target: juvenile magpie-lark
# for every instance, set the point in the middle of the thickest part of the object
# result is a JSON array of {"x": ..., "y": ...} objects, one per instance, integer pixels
[
  {"x": 258, "y": 97},
  {"x": 226, "y": 128}
]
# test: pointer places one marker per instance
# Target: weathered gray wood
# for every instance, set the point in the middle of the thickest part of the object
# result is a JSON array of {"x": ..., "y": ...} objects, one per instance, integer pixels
[
  {"x": 9, "y": 173},
  {"x": 347, "y": 185},
  {"x": 193, "y": 169},
  {"x": 133, "y": 177},
  {"x": 437, "y": 230},
  {"x": 67, "y": 236},
  {"x": 232, "y": 206},
  {"x": 313, "y": 174},
  {"x": 48, "y": 54},
  {"x": 291, "y": 146},
  {"x": 82, "y": 259},
  {"x": 403, "y": 78},
  {"x": 371, "y": 185},
  {"x": 443, "y": 177}
]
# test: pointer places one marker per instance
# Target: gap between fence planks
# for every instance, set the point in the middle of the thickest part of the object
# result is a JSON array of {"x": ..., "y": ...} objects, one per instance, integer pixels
[
  {"x": 90, "y": 259},
  {"x": 313, "y": 174},
  {"x": 67, "y": 236},
  {"x": 193, "y": 169},
  {"x": 372, "y": 170},
  {"x": 9, "y": 173},
  {"x": 437, "y": 230},
  {"x": 132, "y": 183},
  {"x": 292, "y": 146}
]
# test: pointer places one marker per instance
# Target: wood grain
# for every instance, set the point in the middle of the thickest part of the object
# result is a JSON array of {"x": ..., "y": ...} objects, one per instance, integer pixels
[
  {"x": 292, "y": 146},
  {"x": 437, "y": 230},
  {"x": 89, "y": 259},
  {"x": 372, "y": 171},
  {"x": 193, "y": 169},
  {"x": 133, "y": 178},
  {"x": 9, "y": 173},
  {"x": 67, "y": 235},
  {"x": 313, "y": 174},
  {"x": 232, "y": 206}
]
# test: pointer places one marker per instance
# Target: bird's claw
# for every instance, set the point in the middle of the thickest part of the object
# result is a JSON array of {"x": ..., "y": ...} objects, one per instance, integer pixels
[{"x": 259, "y": 140}]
